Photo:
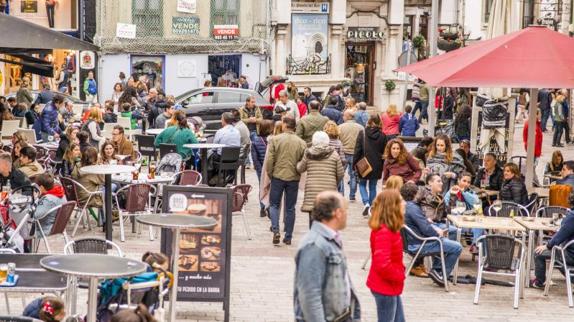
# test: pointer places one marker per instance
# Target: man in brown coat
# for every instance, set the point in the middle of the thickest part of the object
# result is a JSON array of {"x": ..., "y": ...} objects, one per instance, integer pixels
[
  {"x": 350, "y": 130},
  {"x": 283, "y": 154},
  {"x": 122, "y": 145},
  {"x": 311, "y": 122}
]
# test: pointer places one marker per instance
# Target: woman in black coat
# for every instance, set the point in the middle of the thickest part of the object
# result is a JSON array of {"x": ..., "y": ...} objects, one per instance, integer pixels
[
  {"x": 513, "y": 187},
  {"x": 372, "y": 147},
  {"x": 462, "y": 123}
]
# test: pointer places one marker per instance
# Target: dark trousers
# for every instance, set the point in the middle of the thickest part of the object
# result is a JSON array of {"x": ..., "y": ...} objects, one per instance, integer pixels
[
  {"x": 558, "y": 129},
  {"x": 290, "y": 189},
  {"x": 50, "y": 13},
  {"x": 566, "y": 131},
  {"x": 389, "y": 308},
  {"x": 544, "y": 118},
  {"x": 540, "y": 264}
]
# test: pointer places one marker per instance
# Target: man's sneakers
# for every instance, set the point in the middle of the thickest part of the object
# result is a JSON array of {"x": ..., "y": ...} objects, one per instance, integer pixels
[
  {"x": 286, "y": 241},
  {"x": 366, "y": 211},
  {"x": 276, "y": 238},
  {"x": 536, "y": 284},
  {"x": 419, "y": 271},
  {"x": 436, "y": 277}
]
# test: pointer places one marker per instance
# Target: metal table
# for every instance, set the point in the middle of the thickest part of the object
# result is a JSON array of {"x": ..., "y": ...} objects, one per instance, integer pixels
[
  {"x": 24, "y": 262},
  {"x": 153, "y": 131},
  {"x": 533, "y": 224},
  {"x": 143, "y": 178},
  {"x": 93, "y": 266},
  {"x": 176, "y": 223},
  {"x": 107, "y": 170},
  {"x": 204, "y": 147}
]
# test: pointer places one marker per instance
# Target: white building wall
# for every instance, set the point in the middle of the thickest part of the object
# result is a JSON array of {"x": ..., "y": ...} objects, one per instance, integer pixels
[
  {"x": 109, "y": 68},
  {"x": 175, "y": 85}
]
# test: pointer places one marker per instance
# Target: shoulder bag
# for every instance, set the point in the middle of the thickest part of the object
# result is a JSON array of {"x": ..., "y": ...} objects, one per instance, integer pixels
[{"x": 363, "y": 166}]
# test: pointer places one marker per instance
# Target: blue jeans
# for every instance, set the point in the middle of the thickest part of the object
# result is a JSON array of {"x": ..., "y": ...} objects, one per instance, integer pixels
[
  {"x": 352, "y": 177},
  {"x": 368, "y": 196},
  {"x": 290, "y": 188},
  {"x": 424, "y": 112},
  {"x": 451, "y": 248},
  {"x": 389, "y": 308}
]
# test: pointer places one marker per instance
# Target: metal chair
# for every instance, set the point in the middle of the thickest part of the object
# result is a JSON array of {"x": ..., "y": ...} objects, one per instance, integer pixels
[
  {"x": 125, "y": 122},
  {"x": 166, "y": 148},
  {"x": 244, "y": 155},
  {"x": 63, "y": 214},
  {"x": 137, "y": 202},
  {"x": 9, "y": 127},
  {"x": 91, "y": 245},
  {"x": 146, "y": 146},
  {"x": 509, "y": 209},
  {"x": 406, "y": 234},
  {"x": 187, "y": 178},
  {"x": 498, "y": 253},
  {"x": 521, "y": 160},
  {"x": 549, "y": 211},
  {"x": 533, "y": 203},
  {"x": 228, "y": 163},
  {"x": 565, "y": 269},
  {"x": 240, "y": 197},
  {"x": 71, "y": 190}
]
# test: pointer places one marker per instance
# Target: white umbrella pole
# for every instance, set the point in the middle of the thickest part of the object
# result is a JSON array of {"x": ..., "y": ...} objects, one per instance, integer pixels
[{"x": 531, "y": 137}]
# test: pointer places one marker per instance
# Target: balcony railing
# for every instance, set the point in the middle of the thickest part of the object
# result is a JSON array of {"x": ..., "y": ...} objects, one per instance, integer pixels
[{"x": 310, "y": 65}]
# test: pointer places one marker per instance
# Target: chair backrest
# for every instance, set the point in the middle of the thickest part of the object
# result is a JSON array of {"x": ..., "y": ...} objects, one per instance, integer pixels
[
  {"x": 146, "y": 145},
  {"x": 518, "y": 160},
  {"x": 41, "y": 153},
  {"x": 500, "y": 251},
  {"x": 508, "y": 208},
  {"x": 109, "y": 127},
  {"x": 9, "y": 127},
  {"x": 166, "y": 148},
  {"x": 29, "y": 135},
  {"x": 548, "y": 211},
  {"x": 405, "y": 238},
  {"x": 63, "y": 214},
  {"x": 137, "y": 197},
  {"x": 189, "y": 178},
  {"x": 22, "y": 121},
  {"x": 230, "y": 154},
  {"x": 70, "y": 188},
  {"x": 91, "y": 245},
  {"x": 532, "y": 204},
  {"x": 170, "y": 162},
  {"x": 7, "y": 251},
  {"x": 125, "y": 122},
  {"x": 240, "y": 196}
]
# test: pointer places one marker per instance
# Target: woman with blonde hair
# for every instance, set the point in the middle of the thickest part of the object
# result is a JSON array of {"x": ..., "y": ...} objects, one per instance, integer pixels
[
  {"x": 555, "y": 165},
  {"x": 333, "y": 132},
  {"x": 387, "y": 274},
  {"x": 394, "y": 182},
  {"x": 391, "y": 119},
  {"x": 92, "y": 126}
]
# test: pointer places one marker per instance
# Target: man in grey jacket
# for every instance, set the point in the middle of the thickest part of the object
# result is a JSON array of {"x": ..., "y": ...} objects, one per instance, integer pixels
[{"x": 323, "y": 288}]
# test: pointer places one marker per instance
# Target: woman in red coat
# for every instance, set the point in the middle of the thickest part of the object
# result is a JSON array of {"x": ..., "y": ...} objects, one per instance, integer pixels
[
  {"x": 387, "y": 274},
  {"x": 399, "y": 162}
]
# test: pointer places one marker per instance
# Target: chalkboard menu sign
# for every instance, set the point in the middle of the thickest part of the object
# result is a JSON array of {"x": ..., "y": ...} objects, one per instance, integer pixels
[{"x": 205, "y": 255}]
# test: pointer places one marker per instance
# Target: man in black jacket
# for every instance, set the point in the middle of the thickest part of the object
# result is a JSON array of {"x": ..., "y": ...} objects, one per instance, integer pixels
[
  {"x": 543, "y": 252},
  {"x": 490, "y": 176},
  {"x": 10, "y": 175}
]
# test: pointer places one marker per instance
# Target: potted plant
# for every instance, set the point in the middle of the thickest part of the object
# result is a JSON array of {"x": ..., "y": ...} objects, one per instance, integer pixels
[{"x": 390, "y": 85}]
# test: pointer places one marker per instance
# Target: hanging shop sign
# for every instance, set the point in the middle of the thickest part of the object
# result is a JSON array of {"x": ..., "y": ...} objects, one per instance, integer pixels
[
  {"x": 205, "y": 255},
  {"x": 310, "y": 7},
  {"x": 125, "y": 30},
  {"x": 226, "y": 32},
  {"x": 185, "y": 25},
  {"x": 186, "y": 6},
  {"x": 365, "y": 34},
  {"x": 29, "y": 6},
  {"x": 87, "y": 60}
]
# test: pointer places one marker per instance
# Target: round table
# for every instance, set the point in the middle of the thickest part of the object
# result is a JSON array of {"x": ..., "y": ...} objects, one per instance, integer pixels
[
  {"x": 93, "y": 267},
  {"x": 107, "y": 170},
  {"x": 176, "y": 223},
  {"x": 153, "y": 131},
  {"x": 142, "y": 178},
  {"x": 204, "y": 147}
]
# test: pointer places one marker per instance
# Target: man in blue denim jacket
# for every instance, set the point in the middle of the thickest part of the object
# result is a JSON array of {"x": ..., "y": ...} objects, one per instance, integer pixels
[{"x": 323, "y": 289}]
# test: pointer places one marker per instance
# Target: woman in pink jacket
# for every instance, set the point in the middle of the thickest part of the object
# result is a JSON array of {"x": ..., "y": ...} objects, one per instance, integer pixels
[{"x": 391, "y": 119}]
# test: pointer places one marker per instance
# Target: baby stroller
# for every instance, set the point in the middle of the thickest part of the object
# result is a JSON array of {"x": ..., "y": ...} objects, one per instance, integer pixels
[{"x": 17, "y": 230}]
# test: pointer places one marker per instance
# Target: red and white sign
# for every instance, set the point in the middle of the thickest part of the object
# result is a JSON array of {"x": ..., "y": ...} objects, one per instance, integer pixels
[{"x": 226, "y": 32}]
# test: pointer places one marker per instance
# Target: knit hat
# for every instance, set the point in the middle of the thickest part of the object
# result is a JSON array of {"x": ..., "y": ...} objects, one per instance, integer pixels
[{"x": 320, "y": 138}]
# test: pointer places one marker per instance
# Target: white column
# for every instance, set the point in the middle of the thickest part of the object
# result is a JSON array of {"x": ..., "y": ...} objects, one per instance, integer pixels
[
  {"x": 417, "y": 22},
  {"x": 448, "y": 10},
  {"x": 397, "y": 12},
  {"x": 394, "y": 39},
  {"x": 337, "y": 51},
  {"x": 566, "y": 15},
  {"x": 281, "y": 50}
]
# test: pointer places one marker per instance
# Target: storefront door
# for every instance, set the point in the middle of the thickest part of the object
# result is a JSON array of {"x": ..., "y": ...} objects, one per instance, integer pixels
[
  {"x": 224, "y": 69},
  {"x": 360, "y": 68}
]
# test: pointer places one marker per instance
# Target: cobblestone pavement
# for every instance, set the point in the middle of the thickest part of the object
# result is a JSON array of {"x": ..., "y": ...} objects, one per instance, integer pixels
[{"x": 262, "y": 276}]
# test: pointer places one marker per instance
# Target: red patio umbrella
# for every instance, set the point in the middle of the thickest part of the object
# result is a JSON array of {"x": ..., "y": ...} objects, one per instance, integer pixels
[{"x": 534, "y": 57}]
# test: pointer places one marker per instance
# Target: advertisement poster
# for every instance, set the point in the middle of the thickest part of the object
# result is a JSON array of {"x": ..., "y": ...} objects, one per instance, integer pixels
[
  {"x": 29, "y": 6},
  {"x": 309, "y": 37},
  {"x": 185, "y": 25},
  {"x": 187, "y": 6},
  {"x": 204, "y": 256},
  {"x": 226, "y": 32}
]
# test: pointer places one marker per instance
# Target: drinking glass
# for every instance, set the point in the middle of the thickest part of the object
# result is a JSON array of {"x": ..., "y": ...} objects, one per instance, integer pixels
[{"x": 497, "y": 206}]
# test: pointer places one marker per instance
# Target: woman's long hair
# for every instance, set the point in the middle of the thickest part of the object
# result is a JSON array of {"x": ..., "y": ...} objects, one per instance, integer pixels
[
  {"x": 448, "y": 148},
  {"x": 392, "y": 110},
  {"x": 403, "y": 154},
  {"x": 555, "y": 155},
  {"x": 68, "y": 154},
  {"x": 387, "y": 210},
  {"x": 103, "y": 158}
]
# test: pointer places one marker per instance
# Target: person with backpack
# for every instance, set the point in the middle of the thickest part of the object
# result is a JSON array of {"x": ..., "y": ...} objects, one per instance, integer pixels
[
  {"x": 49, "y": 118},
  {"x": 91, "y": 88},
  {"x": 408, "y": 124}
]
